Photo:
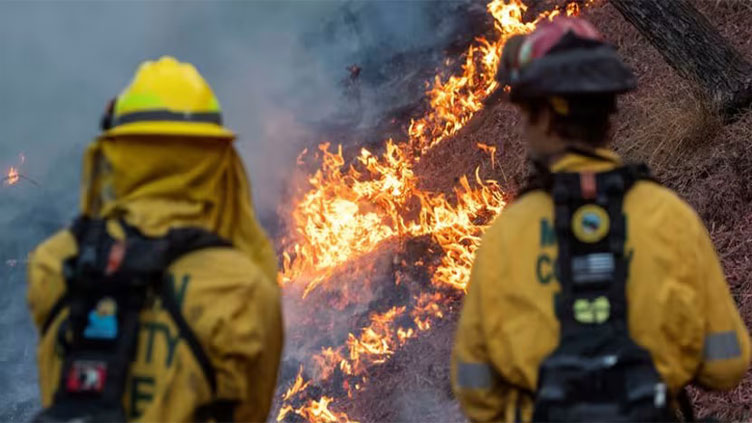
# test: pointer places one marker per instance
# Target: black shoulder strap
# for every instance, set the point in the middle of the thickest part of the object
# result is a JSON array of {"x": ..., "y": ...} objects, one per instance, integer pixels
[
  {"x": 541, "y": 178},
  {"x": 177, "y": 243},
  {"x": 592, "y": 268},
  {"x": 180, "y": 242},
  {"x": 685, "y": 406},
  {"x": 597, "y": 372}
]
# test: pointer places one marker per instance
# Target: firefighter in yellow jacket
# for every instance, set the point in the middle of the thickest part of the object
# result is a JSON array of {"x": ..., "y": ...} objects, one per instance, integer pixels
[
  {"x": 597, "y": 295},
  {"x": 160, "y": 303}
]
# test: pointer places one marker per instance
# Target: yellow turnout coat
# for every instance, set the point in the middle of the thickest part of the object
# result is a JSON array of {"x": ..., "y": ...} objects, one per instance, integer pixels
[
  {"x": 680, "y": 308},
  {"x": 228, "y": 296}
]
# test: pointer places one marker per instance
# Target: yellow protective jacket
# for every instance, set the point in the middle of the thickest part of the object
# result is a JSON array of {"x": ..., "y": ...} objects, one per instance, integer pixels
[
  {"x": 680, "y": 307},
  {"x": 228, "y": 296}
]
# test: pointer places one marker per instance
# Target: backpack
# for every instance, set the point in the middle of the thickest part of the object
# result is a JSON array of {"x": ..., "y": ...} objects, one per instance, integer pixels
[
  {"x": 108, "y": 283},
  {"x": 597, "y": 372}
]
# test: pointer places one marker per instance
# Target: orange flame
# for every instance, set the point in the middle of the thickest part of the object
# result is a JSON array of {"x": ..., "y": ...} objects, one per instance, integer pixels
[
  {"x": 349, "y": 210},
  {"x": 298, "y": 386},
  {"x": 316, "y": 412},
  {"x": 347, "y": 213},
  {"x": 491, "y": 150}
]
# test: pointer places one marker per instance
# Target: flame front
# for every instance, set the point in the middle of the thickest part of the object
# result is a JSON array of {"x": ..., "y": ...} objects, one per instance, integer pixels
[{"x": 350, "y": 211}]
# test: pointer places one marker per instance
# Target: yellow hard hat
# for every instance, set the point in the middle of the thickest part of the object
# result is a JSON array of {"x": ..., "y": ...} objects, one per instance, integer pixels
[{"x": 166, "y": 97}]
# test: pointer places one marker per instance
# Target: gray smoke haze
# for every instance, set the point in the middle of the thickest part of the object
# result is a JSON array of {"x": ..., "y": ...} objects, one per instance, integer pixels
[{"x": 278, "y": 69}]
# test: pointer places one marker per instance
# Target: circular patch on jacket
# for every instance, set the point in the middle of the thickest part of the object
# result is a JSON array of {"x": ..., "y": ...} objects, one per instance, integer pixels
[{"x": 590, "y": 223}]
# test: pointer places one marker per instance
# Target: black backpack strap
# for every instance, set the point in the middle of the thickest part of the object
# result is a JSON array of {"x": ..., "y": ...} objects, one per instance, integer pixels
[
  {"x": 597, "y": 372},
  {"x": 55, "y": 311},
  {"x": 101, "y": 331},
  {"x": 218, "y": 411},
  {"x": 595, "y": 267},
  {"x": 119, "y": 276},
  {"x": 605, "y": 190},
  {"x": 541, "y": 177},
  {"x": 181, "y": 242},
  {"x": 177, "y": 243},
  {"x": 78, "y": 229},
  {"x": 685, "y": 406}
]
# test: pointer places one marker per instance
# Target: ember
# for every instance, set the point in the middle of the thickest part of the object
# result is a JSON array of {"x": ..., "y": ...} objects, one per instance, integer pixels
[{"x": 12, "y": 176}]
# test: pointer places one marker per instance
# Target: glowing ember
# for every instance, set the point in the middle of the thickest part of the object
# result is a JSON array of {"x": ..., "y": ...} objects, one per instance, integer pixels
[
  {"x": 349, "y": 211},
  {"x": 12, "y": 177}
]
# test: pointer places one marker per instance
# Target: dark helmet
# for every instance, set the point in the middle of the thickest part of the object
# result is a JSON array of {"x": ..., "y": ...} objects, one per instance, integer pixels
[{"x": 564, "y": 57}]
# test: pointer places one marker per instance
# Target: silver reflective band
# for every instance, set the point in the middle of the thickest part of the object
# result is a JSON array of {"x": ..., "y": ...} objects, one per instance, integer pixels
[
  {"x": 659, "y": 400},
  {"x": 475, "y": 375},
  {"x": 722, "y": 346}
]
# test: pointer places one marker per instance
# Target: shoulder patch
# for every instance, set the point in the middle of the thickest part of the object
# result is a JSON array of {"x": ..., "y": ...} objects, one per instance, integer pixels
[{"x": 590, "y": 223}]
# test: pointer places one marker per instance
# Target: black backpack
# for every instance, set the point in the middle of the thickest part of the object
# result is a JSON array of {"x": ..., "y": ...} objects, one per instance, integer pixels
[
  {"x": 597, "y": 372},
  {"x": 108, "y": 283}
]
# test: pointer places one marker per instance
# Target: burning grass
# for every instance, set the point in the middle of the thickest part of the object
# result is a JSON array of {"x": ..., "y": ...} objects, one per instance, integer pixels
[
  {"x": 405, "y": 214},
  {"x": 350, "y": 211}
]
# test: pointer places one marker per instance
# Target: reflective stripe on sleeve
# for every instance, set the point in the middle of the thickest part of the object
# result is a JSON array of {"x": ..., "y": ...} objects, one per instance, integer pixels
[
  {"x": 722, "y": 346},
  {"x": 475, "y": 375}
]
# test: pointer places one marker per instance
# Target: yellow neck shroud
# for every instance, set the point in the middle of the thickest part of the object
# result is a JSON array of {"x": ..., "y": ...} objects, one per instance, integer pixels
[{"x": 158, "y": 182}]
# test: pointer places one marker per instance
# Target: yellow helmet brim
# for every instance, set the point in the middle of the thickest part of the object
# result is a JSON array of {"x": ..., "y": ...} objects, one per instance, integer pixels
[{"x": 197, "y": 129}]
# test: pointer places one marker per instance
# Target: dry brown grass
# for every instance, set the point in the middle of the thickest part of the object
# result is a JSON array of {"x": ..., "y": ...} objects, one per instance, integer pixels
[{"x": 668, "y": 126}]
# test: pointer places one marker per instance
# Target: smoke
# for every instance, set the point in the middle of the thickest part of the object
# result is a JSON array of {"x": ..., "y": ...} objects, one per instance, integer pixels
[{"x": 279, "y": 70}]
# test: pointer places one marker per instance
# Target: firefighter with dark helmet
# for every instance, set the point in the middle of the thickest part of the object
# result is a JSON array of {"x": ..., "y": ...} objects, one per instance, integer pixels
[
  {"x": 160, "y": 302},
  {"x": 597, "y": 295}
]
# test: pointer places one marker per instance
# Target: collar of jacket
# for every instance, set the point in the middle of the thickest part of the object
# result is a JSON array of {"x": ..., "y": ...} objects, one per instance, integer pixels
[{"x": 575, "y": 162}]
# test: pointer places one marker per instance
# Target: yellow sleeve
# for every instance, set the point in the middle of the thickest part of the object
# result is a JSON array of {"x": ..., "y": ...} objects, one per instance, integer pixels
[
  {"x": 726, "y": 352},
  {"x": 259, "y": 324},
  {"x": 476, "y": 383},
  {"x": 235, "y": 312},
  {"x": 45, "y": 287},
  {"x": 45, "y": 275}
]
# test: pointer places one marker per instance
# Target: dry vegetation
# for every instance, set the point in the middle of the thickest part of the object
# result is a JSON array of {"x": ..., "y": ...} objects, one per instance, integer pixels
[{"x": 666, "y": 123}]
